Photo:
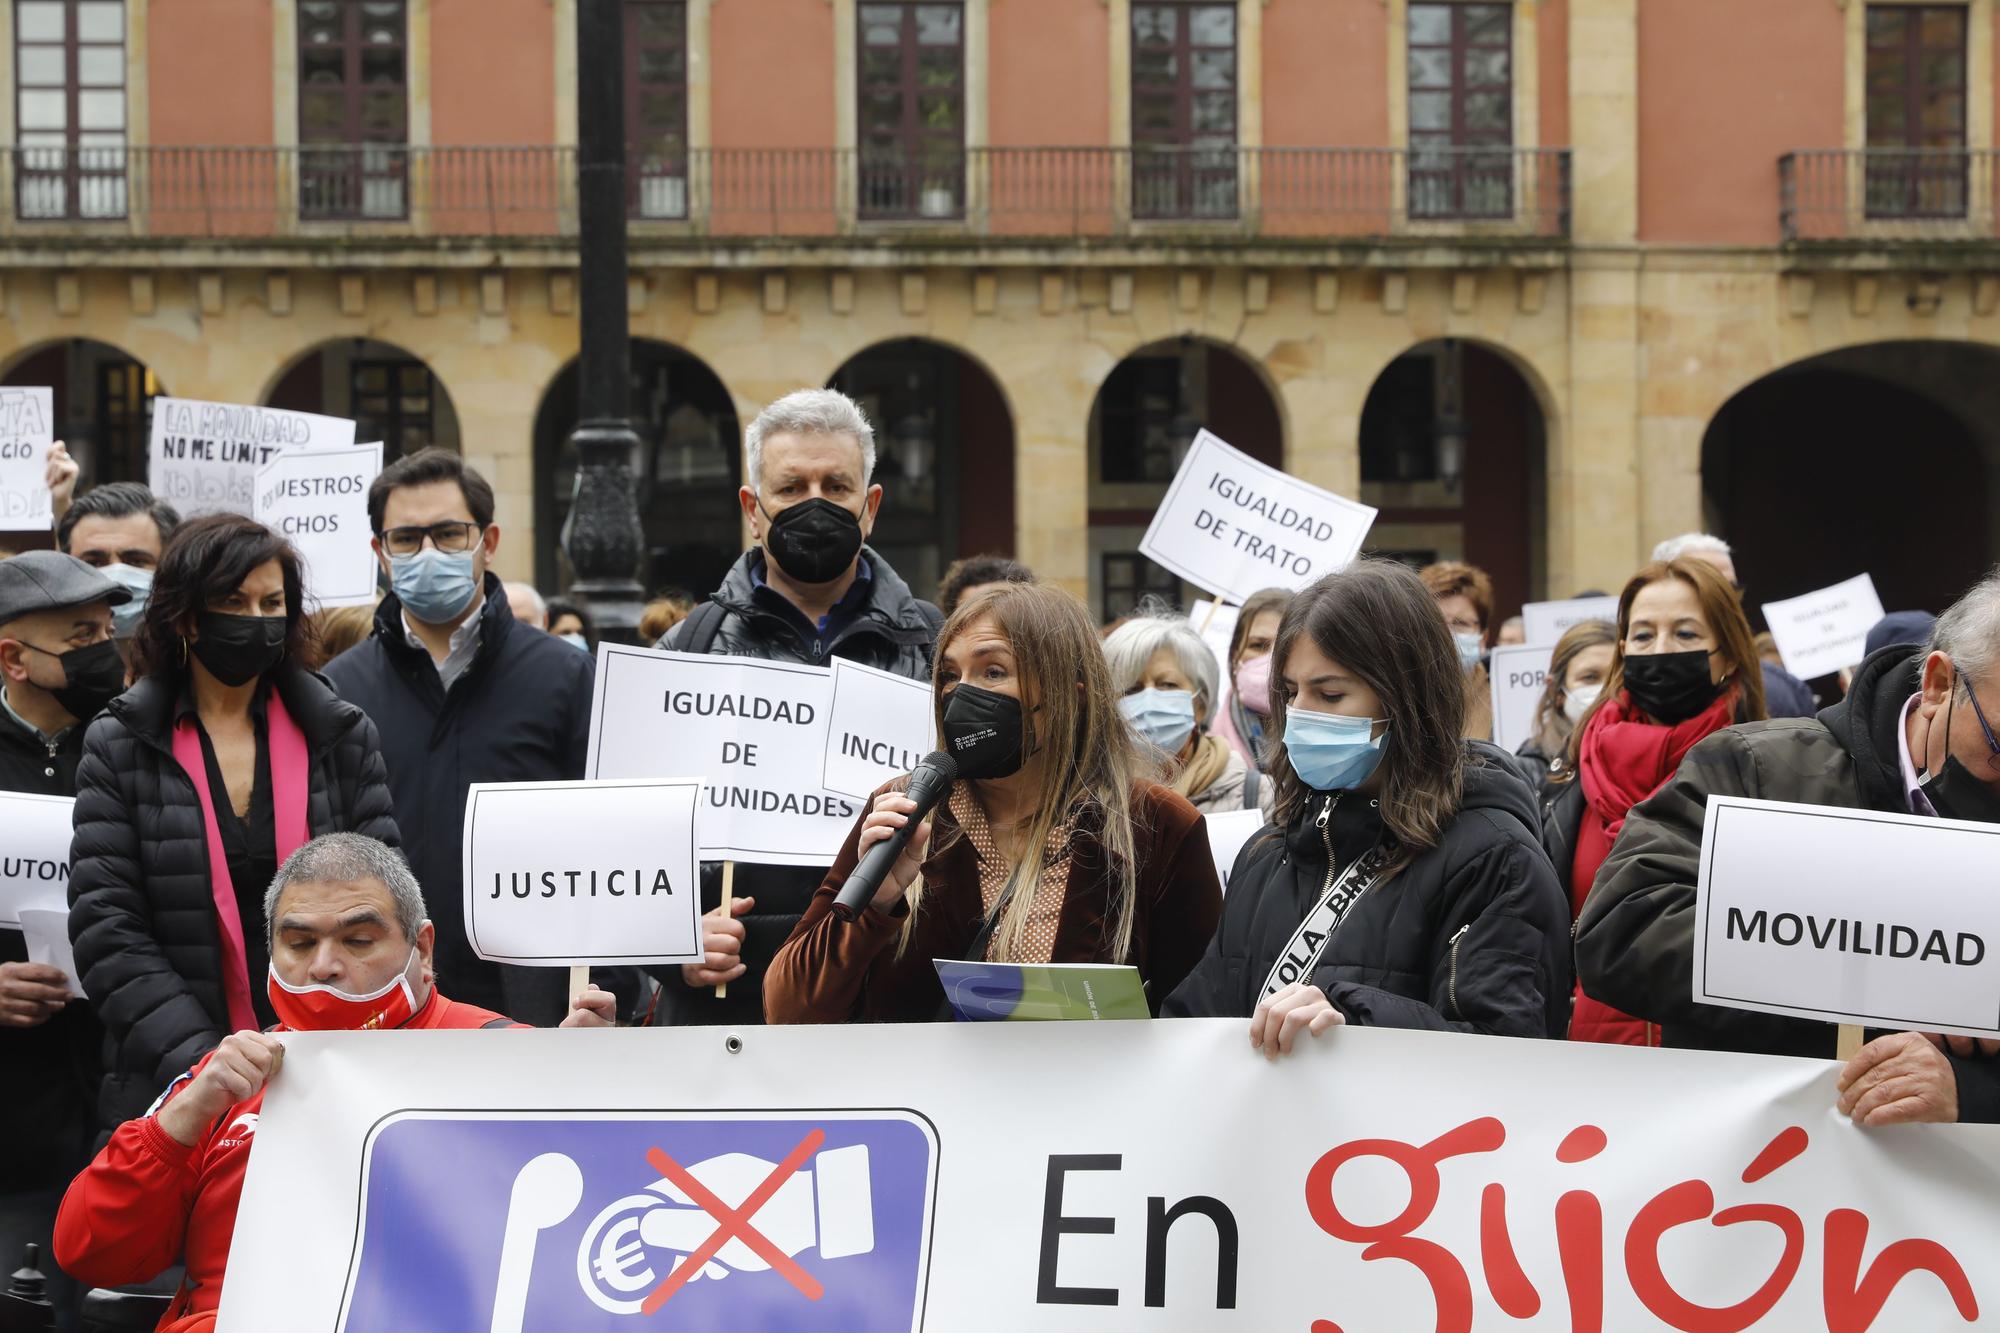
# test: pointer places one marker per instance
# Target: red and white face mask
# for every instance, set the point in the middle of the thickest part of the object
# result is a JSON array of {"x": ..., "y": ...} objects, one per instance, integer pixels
[{"x": 323, "y": 1008}]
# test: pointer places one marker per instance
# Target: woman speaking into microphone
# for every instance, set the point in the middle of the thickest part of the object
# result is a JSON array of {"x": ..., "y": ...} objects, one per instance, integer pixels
[{"x": 1053, "y": 845}]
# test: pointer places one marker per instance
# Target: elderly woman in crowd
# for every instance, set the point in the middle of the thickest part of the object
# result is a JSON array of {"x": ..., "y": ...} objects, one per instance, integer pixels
[{"x": 1168, "y": 685}]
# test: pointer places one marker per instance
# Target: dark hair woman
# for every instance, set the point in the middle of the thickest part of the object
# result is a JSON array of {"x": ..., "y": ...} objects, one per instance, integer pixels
[
  {"x": 1402, "y": 884},
  {"x": 194, "y": 786},
  {"x": 1245, "y": 715},
  {"x": 1577, "y": 669},
  {"x": 1054, "y": 845},
  {"x": 1684, "y": 667}
]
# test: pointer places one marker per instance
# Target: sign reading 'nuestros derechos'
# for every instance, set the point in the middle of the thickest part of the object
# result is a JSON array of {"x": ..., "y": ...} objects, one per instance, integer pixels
[
  {"x": 583, "y": 873},
  {"x": 1235, "y": 526},
  {"x": 1848, "y": 916},
  {"x": 754, "y": 732},
  {"x": 318, "y": 500},
  {"x": 204, "y": 457}
]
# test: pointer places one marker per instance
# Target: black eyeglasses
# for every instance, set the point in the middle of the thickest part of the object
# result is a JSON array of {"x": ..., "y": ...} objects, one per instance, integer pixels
[
  {"x": 1992, "y": 742},
  {"x": 453, "y": 538}
]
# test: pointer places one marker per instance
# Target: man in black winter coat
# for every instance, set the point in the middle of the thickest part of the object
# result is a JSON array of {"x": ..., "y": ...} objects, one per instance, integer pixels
[
  {"x": 58, "y": 666},
  {"x": 462, "y": 693},
  {"x": 809, "y": 591}
]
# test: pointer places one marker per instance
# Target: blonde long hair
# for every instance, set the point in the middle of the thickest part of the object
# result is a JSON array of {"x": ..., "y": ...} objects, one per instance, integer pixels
[{"x": 1094, "y": 764}]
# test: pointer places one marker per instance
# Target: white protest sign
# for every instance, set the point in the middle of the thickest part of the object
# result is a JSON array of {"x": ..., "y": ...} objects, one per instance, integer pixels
[
  {"x": 1848, "y": 916},
  {"x": 879, "y": 726},
  {"x": 204, "y": 457},
  {"x": 1228, "y": 832},
  {"x": 583, "y": 873},
  {"x": 1090, "y": 1178},
  {"x": 754, "y": 732},
  {"x": 1518, "y": 675},
  {"x": 1216, "y": 623},
  {"x": 1823, "y": 631},
  {"x": 1236, "y": 526},
  {"x": 318, "y": 500},
  {"x": 34, "y": 853},
  {"x": 1546, "y": 622},
  {"x": 47, "y": 932},
  {"x": 27, "y": 429}
]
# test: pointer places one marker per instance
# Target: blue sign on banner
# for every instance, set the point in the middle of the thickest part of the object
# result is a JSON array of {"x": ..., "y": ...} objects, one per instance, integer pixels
[{"x": 791, "y": 1221}]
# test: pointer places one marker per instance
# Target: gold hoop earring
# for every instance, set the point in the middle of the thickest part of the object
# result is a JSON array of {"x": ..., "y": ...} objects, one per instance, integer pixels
[{"x": 184, "y": 650}]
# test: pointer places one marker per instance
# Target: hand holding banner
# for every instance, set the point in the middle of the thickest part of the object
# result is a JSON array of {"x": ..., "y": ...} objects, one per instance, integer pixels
[
  {"x": 1236, "y": 526},
  {"x": 580, "y": 873}
]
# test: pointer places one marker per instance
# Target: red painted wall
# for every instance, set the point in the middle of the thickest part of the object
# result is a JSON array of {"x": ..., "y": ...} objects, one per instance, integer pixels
[
  {"x": 1552, "y": 57},
  {"x": 492, "y": 72},
  {"x": 1048, "y": 74},
  {"x": 771, "y": 74},
  {"x": 1326, "y": 75},
  {"x": 1725, "y": 88},
  {"x": 208, "y": 72}
]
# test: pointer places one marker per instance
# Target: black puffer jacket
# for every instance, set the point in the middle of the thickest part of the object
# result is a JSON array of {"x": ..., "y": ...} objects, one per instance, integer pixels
[
  {"x": 142, "y": 913},
  {"x": 1472, "y": 936},
  {"x": 893, "y": 632}
]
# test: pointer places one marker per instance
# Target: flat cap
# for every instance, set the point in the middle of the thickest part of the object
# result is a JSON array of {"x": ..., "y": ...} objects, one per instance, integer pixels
[{"x": 52, "y": 581}]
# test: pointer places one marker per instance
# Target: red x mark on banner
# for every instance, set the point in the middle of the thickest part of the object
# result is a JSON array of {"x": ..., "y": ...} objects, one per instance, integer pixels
[{"x": 734, "y": 1223}]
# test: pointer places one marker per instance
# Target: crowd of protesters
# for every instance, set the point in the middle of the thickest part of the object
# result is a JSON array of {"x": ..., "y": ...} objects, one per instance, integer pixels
[{"x": 269, "y": 808}]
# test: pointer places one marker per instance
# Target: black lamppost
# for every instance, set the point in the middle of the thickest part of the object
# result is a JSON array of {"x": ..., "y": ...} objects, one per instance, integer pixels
[{"x": 603, "y": 537}]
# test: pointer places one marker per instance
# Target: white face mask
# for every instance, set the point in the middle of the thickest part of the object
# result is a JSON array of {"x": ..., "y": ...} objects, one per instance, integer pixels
[{"x": 1577, "y": 701}]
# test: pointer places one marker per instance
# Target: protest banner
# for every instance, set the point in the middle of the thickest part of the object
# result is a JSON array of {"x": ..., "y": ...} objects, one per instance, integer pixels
[
  {"x": 1022, "y": 1175},
  {"x": 754, "y": 732},
  {"x": 1543, "y": 623},
  {"x": 318, "y": 500},
  {"x": 1235, "y": 526},
  {"x": 27, "y": 429},
  {"x": 204, "y": 457},
  {"x": 34, "y": 853},
  {"x": 583, "y": 873},
  {"x": 1824, "y": 631},
  {"x": 1228, "y": 831},
  {"x": 879, "y": 725},
  {"x": 1517, "y": 676},
  {"x": 1848, "y": 916}
]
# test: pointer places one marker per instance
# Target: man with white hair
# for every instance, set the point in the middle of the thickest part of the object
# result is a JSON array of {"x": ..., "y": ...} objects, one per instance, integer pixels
[
  {"x": 1914, "y": 736},
  {"x": 810, "y": 590},
  {"x": 1785, "y": 695},
  {"x": 527, "y": 604},
  {"x": 351, "y": 949}
]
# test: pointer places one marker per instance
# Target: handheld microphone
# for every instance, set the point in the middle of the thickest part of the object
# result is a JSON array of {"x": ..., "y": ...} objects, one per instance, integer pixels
[{"x": 928, "y": 785}]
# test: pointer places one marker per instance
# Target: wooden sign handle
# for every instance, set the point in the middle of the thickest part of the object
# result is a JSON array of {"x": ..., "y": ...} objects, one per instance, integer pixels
[
  {"x": 1208, "y": 616},
  {"x": 1850, "y": 1042},
  {"x": 579, "y": 978},
  {"x": 728, "y": 897}
]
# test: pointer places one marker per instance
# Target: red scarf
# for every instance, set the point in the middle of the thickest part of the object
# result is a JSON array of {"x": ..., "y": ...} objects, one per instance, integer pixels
[{"x": 1624, "y": 758}]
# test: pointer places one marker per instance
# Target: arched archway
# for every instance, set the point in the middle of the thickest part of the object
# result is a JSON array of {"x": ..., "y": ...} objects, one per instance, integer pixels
[
  {"x": 1453, "y": 453},
  {"x": 1881, "y": 459},
  {"x": 944, "y": 455},
  {"x": 688, "y": 468},
  {"x": 1144, "y": 417},
  {"x": 103, "y": 401},
  {"x": 389, "y": 394}
]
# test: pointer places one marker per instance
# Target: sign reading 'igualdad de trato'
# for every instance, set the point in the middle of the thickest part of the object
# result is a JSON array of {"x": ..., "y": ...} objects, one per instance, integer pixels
[{"x": 1848, "y": 916}]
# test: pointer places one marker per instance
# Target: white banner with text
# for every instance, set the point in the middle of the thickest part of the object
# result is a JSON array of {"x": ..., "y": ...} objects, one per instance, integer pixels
[{"x": 204, "y": 457}]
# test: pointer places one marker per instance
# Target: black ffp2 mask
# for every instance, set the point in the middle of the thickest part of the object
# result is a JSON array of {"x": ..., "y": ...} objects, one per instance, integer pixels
[
  {"x": 92, "y": 677},
  {"x": 1670, "y": 687},
  {"x": 236, "y": 649},
  {"x": 814, "y": 541},
  {"x": 985, "y": 732}
]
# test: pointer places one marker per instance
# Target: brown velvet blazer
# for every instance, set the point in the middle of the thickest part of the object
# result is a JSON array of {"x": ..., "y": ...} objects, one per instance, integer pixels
[{"x": 828, "y": 972}]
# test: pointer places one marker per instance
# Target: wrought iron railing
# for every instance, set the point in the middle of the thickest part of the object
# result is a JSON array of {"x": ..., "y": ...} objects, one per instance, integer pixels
[
  {"x": 1888, "y": 194},
  {"x": 502, "y": 192}
]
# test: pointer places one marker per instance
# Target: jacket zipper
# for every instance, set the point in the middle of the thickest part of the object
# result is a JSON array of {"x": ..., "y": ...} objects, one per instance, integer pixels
[
  {"x": 1452, "y": 987},
  {"x": 1326, "y": 837}
]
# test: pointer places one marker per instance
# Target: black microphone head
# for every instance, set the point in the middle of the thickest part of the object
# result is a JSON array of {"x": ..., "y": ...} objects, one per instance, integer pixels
[{"x": 943, "y": 763}]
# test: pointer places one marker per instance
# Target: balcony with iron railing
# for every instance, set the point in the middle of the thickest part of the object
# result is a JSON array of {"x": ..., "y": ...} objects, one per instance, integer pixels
[
  {"x": 388, "y": 195},
  {"x": 1889, "y": 198}
]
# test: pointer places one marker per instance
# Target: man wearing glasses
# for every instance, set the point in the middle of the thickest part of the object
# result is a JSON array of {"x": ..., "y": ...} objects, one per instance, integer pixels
[
  {"x": 1912, "y": 737},
  {"x": 461, "y": 693}
]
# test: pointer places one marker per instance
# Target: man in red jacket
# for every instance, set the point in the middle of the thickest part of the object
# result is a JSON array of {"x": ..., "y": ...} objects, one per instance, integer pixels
[{"x": 350, "y": 950}]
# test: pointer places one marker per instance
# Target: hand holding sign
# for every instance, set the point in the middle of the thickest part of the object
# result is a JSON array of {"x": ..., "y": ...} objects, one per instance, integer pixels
[{"x": 1236, "y": 526}]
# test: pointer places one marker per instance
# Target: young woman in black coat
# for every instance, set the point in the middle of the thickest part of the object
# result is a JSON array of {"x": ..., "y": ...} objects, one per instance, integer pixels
[
  {"x": 194, "y": 785},
  {"x": 1402, "y": 882}
]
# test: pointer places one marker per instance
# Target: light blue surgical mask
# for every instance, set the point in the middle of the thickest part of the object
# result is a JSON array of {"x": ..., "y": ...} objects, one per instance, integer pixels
[
  {"x": 1164, "y": 717},
  {"x": 576, "y": 641},
  {"x": 139, "y": 582},
  {"x": 1330, "y": 752},
  {"x": 1471, "y": 647},
  {"x": 433, "y": 585}
]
